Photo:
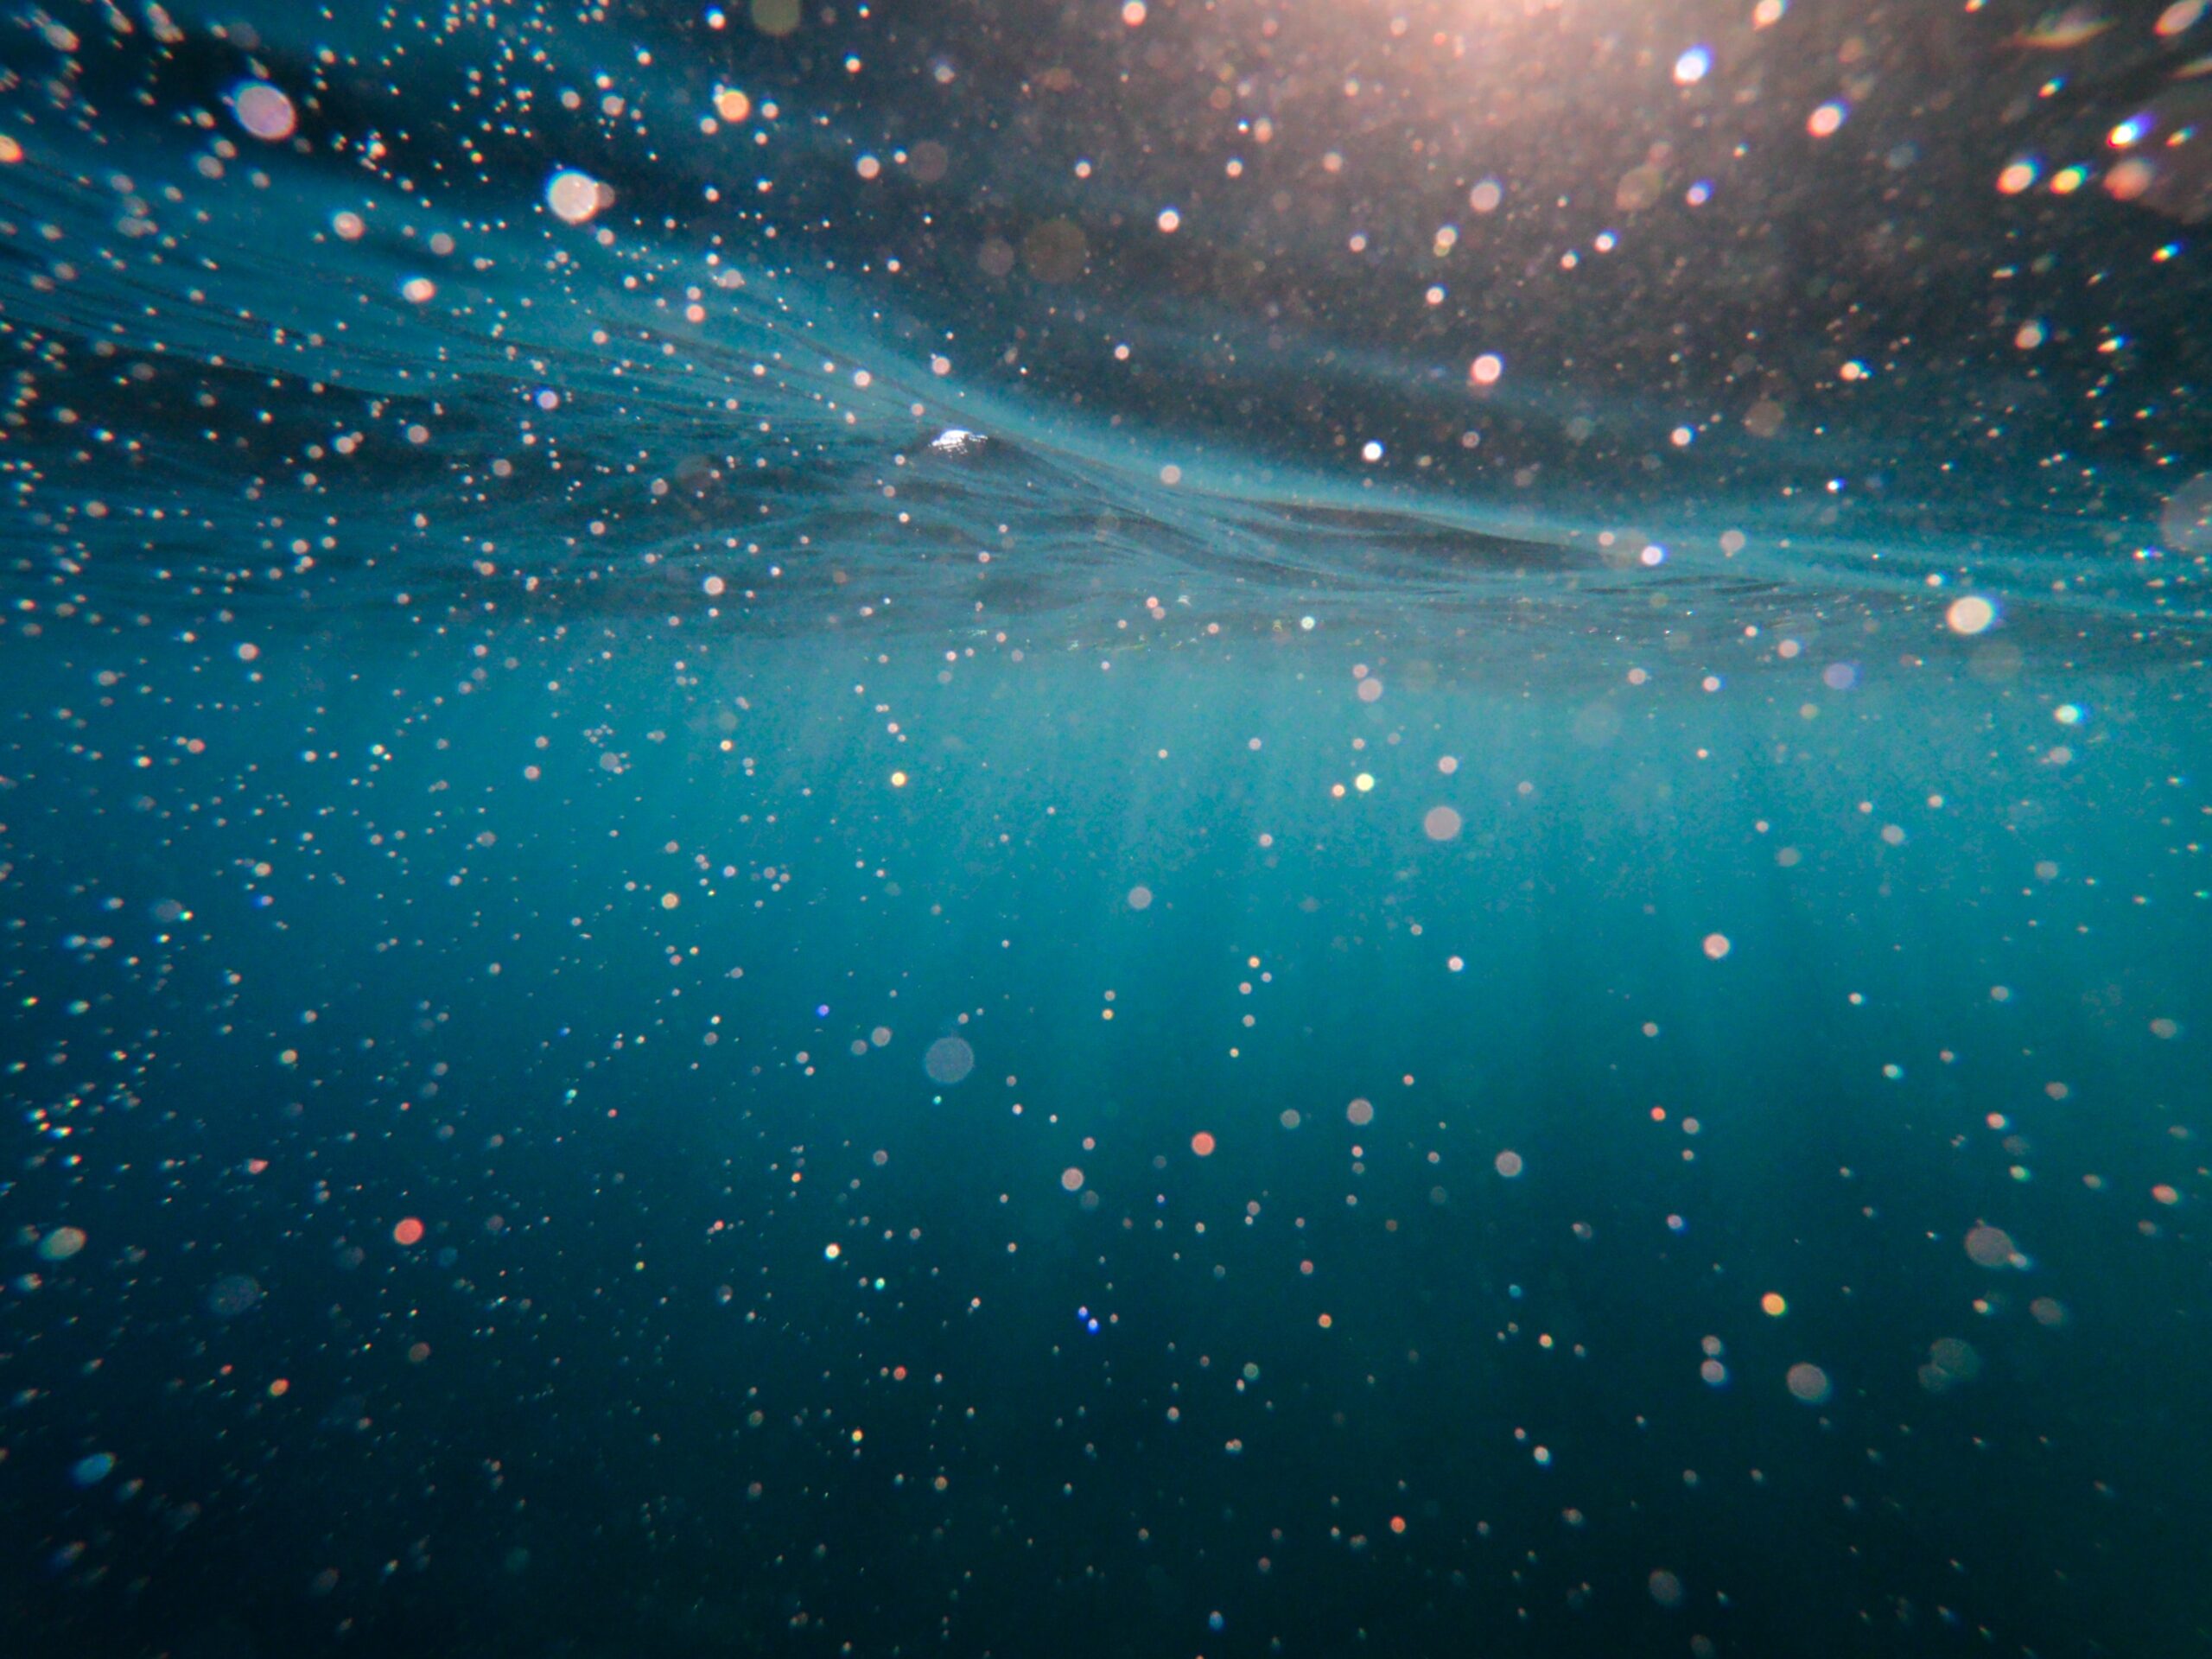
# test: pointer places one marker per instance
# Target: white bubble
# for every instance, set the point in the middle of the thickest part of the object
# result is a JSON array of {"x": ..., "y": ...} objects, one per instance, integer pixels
[
  {"x": 1970, "y": 614},
  {"x": 264, "y": 111},
  {"x": 575, "y": 196}
]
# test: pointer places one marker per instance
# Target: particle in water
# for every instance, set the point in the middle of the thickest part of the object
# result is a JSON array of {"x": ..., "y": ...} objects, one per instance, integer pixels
[
  {"x": 1990, "y": 1247},
  {"x": 775, "y": 18},
  {"x": 1507, "y": 1164},
  {"x": 2129, "y": 178},
  {"x": 61, "y": 1243},
  {"x": 264, "y": 111},
  {"x": 89, "y": 1471},
  {"x": 1809, "y": 1383},
  {"x": 1970, "y": 614},
  {"x": 232, "y": 1295},
  {"x": 2063, "y": 29},
  {"x": 1690, "y": 68},
  {"x": 1203, "y": 1144},
  {"x": 1951, "y": 1361},
  {"x": 575, "y": 196},
  {"x": 409, "y": 1231},
  {"x": 948, "y": 1060}
]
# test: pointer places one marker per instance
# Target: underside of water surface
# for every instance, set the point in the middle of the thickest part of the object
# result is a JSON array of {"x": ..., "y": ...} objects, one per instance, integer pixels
[{"x": 1153, "y": 829}]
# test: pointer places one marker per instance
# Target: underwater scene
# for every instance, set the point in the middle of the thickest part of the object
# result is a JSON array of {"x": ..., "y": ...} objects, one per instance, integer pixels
[{"x": 1125, "y": 828}]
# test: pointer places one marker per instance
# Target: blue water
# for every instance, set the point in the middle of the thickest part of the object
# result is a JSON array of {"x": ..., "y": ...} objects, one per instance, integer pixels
[{"x": 879, "y": 830}]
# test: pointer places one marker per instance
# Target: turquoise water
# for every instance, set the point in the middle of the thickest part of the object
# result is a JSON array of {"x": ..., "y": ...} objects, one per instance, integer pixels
[{"x": 795, "y": 888}]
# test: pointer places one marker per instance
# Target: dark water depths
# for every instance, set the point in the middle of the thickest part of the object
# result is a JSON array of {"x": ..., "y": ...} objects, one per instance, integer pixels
[{"x": 1198, "y": 831}]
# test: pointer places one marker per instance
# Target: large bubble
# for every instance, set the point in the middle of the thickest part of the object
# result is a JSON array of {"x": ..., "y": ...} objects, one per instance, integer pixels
[
  {"x": 948, "y": 1060},
  {"x": 2186, "y": 523},
  {"x": 232, "y": 1295}
]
